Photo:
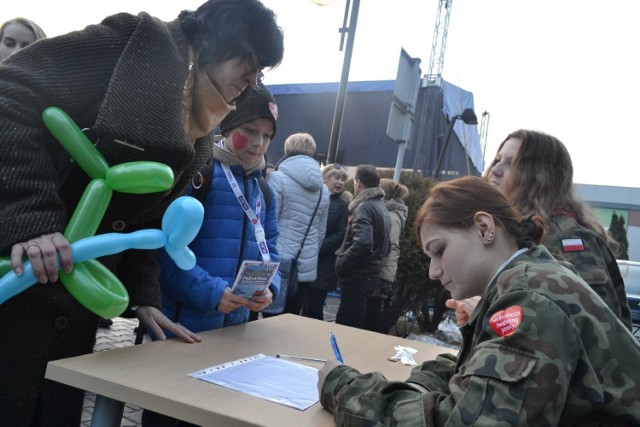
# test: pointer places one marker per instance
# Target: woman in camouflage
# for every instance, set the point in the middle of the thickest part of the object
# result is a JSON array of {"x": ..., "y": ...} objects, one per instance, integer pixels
[
  {"x": 535, "y": 172},
  {"x": 541, "y": 348}
]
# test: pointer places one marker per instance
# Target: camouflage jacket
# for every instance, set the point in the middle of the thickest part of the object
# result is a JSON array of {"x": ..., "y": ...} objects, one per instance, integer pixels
[
  {"x": 593, "y": 260},
  {"x": 541, "y": 349}
]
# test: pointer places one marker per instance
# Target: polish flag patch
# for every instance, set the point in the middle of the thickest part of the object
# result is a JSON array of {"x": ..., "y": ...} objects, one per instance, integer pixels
[
  {"x": 505, "y": 322},
  {"x": 572, "y": 245}
]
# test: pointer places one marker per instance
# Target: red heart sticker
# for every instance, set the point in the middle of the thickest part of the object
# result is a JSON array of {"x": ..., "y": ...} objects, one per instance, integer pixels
[{"x": 505, "y": 322}]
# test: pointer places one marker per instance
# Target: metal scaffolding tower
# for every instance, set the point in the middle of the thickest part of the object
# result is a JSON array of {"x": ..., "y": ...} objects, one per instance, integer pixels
[
  {"x": 439, "y": 44},
  {"x": 433, "y": 77},
  {"x": 484, "y": 132}
]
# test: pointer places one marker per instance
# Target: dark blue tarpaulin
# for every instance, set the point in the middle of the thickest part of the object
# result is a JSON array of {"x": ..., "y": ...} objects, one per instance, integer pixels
[{"x": 310, "y": 107}]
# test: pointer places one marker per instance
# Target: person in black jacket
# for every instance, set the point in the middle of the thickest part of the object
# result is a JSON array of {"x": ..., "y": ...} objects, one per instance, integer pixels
[
  {"x": 334, "y": 178},
  {"x": 145, "y": 90},
  {"x": 366, "y": 244}
]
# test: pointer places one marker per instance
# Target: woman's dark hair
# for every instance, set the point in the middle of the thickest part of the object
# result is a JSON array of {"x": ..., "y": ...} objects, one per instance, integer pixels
[
  {"x": 224, "y": 29},
  {"x": 453, "y": 204}
]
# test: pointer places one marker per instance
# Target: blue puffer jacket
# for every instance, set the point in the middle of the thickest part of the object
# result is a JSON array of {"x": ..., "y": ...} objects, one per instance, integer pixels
[{"x": 224, "y": 241}]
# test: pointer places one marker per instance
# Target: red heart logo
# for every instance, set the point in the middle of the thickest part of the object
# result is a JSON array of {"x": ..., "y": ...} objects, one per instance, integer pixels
[
  {"x": 274, "y": 110},
  {"x": 505, "y": 322}
]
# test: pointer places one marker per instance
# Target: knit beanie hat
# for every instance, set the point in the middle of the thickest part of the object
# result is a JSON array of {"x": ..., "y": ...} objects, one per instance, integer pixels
[{"x": 255, "y": 103}]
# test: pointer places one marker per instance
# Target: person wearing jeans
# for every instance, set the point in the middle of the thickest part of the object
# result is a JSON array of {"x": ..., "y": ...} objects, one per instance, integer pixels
[{"x": 366, "y": 244}]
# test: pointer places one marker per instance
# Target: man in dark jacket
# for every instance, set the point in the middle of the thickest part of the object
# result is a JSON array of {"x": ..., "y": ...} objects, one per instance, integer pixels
[{"x": 366, "y": 244}]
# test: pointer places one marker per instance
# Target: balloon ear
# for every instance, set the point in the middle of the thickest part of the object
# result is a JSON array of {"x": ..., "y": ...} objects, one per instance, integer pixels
[
  {"x": 64, "y": 129},
  {"x": 181, "y": 223},
  {"x": 182, "y": 256},
  {"x": 140, "y": 177}
]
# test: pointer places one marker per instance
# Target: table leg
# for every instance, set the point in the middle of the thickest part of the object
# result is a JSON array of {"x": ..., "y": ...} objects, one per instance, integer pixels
[{"x": 107, "y": 412}]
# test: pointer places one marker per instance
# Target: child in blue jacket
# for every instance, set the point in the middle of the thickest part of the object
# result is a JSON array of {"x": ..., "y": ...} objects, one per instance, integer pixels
[{"x": 201, "y": 298}]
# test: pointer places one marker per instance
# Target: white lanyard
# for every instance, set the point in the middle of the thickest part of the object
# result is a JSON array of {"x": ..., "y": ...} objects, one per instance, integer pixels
[{"x": 254, "y": 217}]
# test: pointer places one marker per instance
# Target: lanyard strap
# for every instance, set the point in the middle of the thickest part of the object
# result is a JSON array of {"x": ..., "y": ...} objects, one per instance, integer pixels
[{"x": 254, "y": 217}]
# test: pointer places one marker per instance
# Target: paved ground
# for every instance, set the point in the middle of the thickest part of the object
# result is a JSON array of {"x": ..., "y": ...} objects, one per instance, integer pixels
[{"x": 121, "y": 334}]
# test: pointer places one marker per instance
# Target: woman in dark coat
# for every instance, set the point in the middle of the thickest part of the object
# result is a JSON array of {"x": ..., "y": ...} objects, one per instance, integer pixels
[
  {"x": 334, "y": 178},
  {"x": 146, "y": 90}
]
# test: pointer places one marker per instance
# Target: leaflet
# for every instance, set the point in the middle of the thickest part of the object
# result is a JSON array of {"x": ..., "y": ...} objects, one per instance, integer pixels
[{"x": 254, "y": 278}]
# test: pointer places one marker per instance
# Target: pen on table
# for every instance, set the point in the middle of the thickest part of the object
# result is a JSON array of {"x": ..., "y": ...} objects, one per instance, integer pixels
[
  {"x": 309, "y": 359},
  {"x": 334, "y": 345}
]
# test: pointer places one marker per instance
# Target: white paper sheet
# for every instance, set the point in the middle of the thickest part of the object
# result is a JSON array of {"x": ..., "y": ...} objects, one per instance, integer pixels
[{"x": 267, "y": 377}]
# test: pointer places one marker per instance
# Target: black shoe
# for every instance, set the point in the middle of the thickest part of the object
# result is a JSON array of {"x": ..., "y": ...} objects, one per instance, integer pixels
[{"x": 105, "y": 323}]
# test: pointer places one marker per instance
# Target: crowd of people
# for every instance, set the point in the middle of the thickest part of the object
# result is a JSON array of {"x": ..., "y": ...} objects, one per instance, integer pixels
[{"x": 496, "y": 243}]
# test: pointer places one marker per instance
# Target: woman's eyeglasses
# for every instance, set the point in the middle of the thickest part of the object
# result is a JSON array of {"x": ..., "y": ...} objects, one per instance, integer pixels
[{"x": 253, "y": 66}]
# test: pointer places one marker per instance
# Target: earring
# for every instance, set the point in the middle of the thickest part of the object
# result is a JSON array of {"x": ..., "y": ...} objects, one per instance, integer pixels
[{"x": 490, "y": 238}]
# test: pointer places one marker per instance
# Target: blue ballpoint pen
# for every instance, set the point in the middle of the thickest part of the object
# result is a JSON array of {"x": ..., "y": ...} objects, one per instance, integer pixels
[{"x": 334, "y": 344}]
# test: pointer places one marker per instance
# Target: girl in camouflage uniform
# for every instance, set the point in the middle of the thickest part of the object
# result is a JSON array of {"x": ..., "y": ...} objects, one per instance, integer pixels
[
  {"x": 534, "y": 170},
  {"x": 541, "y": 348}
]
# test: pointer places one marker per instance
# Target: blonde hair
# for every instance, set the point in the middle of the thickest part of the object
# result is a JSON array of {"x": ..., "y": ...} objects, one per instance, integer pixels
[
  {"x": 393, "y": 190},
  {"x": 335, "y": 169},
  {"x": 38, "y": 32},
  {"x": 300, "y": 143}
]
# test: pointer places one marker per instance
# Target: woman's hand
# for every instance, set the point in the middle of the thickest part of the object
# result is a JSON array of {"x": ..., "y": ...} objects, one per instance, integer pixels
[
  {"x": 43, "y": 254},
  {"x": 260, "y": 302},
  {"x": 463, "y": 309},
  {"x": 157, "y": 322}
]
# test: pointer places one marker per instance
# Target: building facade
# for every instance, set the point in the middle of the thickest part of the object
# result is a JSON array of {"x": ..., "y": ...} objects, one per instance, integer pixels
[
  {"x": 624, "y": 201},
  {"x": 309, "y": 107}
]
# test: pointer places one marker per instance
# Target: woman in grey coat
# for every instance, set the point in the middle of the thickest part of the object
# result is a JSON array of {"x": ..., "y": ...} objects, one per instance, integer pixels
[{"x": 297, "y": 182}]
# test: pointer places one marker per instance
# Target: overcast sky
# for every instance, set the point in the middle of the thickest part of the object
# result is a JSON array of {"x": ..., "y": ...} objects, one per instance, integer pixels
[{"x": 566, "y": 67}]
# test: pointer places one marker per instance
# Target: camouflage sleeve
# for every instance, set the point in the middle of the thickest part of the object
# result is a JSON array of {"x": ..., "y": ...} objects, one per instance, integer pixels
[
  {"x": 522, "y": 376},
  {"x": 596, "y": 264},
  {"x": 369, "y": 399},
  {"x": 435, "y": 374},
  {"x": 522, "y": 379}
]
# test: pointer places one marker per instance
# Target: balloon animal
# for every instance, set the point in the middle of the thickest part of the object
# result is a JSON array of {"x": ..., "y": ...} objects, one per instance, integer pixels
[{"x": 90, "y": 282}]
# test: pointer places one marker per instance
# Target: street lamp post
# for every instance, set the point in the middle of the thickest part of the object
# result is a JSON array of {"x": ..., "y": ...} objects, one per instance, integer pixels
[
  {"x": 344, "y": 79},
  {"x": 469, "y": 118}
]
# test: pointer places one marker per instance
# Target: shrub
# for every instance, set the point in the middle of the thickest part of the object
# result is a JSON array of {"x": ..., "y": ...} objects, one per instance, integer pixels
[{"x": 414, "y": 292}]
